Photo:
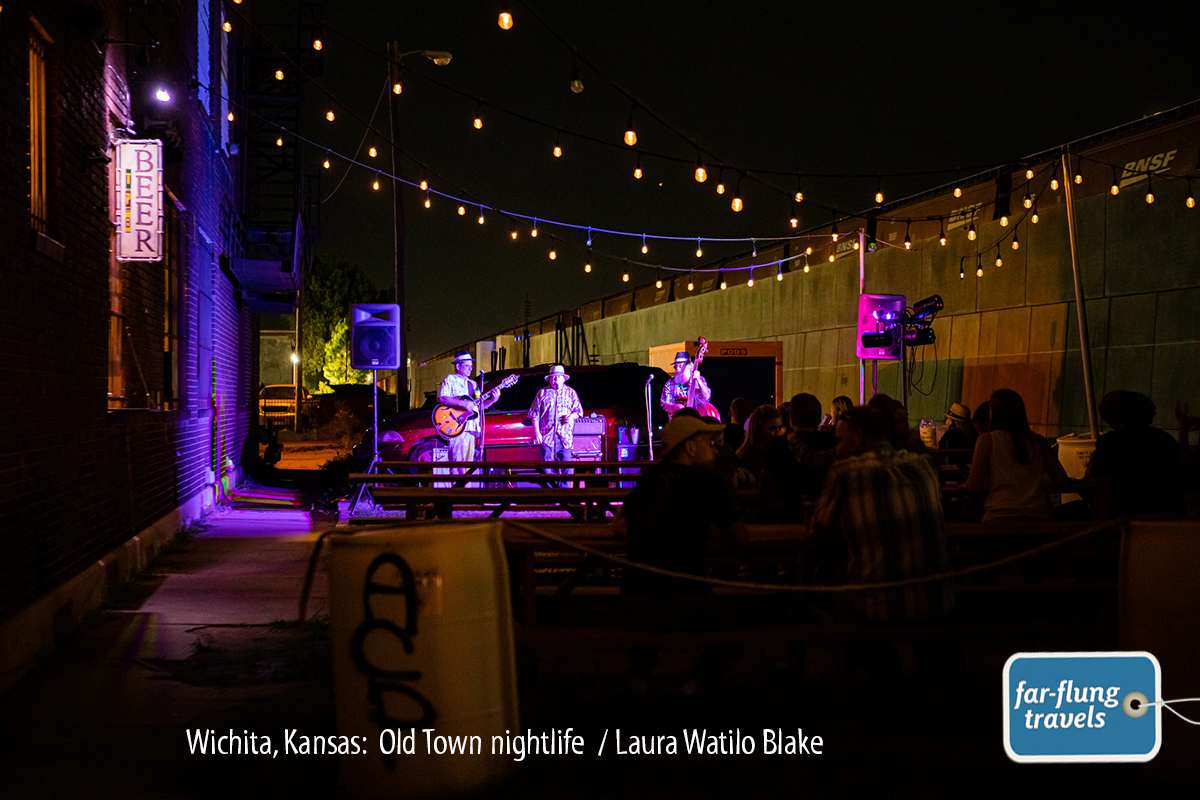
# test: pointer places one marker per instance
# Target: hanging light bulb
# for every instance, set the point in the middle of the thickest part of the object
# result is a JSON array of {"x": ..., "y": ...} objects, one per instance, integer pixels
[
  {"x": 721, "y": 278},
  {"x": 558, "y": 145},
  {"x": 999, "y": 260},
  {"x": 1079, "y": 173},
  {"x": 637, "y": 170},
  {"x": 229, "y": 116},
  {"x": 462, "y": 211},
  {"x": 478, "y": 122},
  {"x": 329, "y": 116},
  {"x": 855, "y": 244},
  {"x": 794, "y": 221},
  {"x": 278, "y": 74},
  {"x": 699, "y": 251},
  {"x": 1150, "y": 188},
  {"x": 799, "y": 195},
  {"x": 1016, "y": 243},
  {"x": 424, "y": 184},
  {"x": 644, "y": 248},
  {"x": 736, "y": 203},
  {"x": 808, "y": 251},
  {"x": 1034, "y": 216},
  {"x": 375, "y": 183},
  {"x": 505, "y": 20},
  {"x": 658, "y": 283},
  {"x": 1054, "y": 183},
  {"x": 805, "y": 264},
  {"x": 576, "y": 81},
  {"x": 978, "y": 269},
  {"x": 372, "y": 152},
  {"x": 553, "y": 254},
  {"x": 701, "y": 172},
  {"x": 961, "y": 273},
  {"x": 907, "y": 238},
  {"x": 630, "y": 135},
  {"x": 480, "y": 220},
  {"x": 834, "y": 232},
  {"x": 1114, "y": 189},
  {"x": 317, "y": 44},
  {"x": 279, "y": 142},
  {"x": 513, "y": 232},
  {"x": 625, "y": 278},
  {"x": 533, "y": 232},
  {"x": 691, "y": 285},
  {"x": 831, "y": 258},
  {"x": 958, "y": 191},
  {"x": 779, "y": 273},
  {"x": 587, "y": 262},
  {"x": 751, "y": 281},
  {"x": 1190, "y": 200},
  {"x": 397, "y": 88},
  {"x": 879, "y": 190},
  {"x": 942, "y": 232},
  {"x": 1029, "y": 174},
  {"x": 227, "y": 27},
  {"x": 1028, "y": 198},
  {"x": 1003, "y": 220},
  {"x": 326, "y": 162},
  {"x": 971, "y": 231},
  {"x": 427, "y": 203}
]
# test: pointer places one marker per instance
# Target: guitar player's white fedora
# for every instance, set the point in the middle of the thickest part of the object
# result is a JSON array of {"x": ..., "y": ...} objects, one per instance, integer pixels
[
  {"x": 558, "y": 369},
  {"x": 463, "y": 356}
]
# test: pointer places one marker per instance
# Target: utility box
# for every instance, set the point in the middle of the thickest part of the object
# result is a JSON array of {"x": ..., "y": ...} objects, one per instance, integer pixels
[{"x": 753, "y": 370}]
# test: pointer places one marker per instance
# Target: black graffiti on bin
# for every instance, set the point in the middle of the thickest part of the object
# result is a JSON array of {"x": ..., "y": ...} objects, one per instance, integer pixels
[{"x": 380, "y": 680}]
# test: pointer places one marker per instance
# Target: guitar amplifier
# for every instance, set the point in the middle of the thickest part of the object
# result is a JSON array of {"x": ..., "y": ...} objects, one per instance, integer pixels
[{"x": 590, "y": 426}]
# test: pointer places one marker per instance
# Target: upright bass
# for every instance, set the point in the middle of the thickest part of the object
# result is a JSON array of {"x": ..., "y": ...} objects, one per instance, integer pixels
[{"x": 693, "y": 399}]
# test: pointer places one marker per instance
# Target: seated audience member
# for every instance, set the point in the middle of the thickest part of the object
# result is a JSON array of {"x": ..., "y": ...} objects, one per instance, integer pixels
[
  {"x": 903, "y": 437},
  {"x": 840, "y": 405},
  {"x": 735, "y": 431},
  {"x": 1136, "y": 466},
  {"x": 960, "y": 433},
  {"x": 879, "y": 519},
  {"x": 1013, "y": 467},
  {"x": 679, "y": 510},
  {"x": 981, "y": 419},
  {"x": 799, "y": 461},
  {"x": 765, "y": 427}
]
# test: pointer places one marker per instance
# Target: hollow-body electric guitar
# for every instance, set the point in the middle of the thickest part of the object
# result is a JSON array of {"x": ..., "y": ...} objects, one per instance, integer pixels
[{"x": 450, "y": 421}]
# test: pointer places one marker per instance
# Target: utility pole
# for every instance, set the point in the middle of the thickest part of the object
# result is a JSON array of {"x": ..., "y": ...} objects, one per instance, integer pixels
[{"x": 398, "y": 223}]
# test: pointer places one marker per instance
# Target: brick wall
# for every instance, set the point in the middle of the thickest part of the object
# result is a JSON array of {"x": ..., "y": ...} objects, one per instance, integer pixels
[{"x": 78, "y": 479}]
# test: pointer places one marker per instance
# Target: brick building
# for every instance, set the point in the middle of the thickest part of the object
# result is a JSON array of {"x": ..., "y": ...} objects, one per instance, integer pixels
[{"x": 128, "y": 385}]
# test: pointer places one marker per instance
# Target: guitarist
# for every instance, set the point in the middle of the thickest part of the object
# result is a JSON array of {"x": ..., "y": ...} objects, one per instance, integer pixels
[
  {"x": 459, "y": 391},
  {"x": 675, "y": 391}
]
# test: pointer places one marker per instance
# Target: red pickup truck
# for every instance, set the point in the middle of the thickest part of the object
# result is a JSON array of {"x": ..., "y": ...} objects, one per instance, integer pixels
[{"x": 614, "y": 392}]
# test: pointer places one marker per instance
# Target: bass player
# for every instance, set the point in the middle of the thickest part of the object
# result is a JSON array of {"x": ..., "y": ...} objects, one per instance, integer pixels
[
  {"x": 459, "y": 391},
  {"x": 675, "y": 393}
]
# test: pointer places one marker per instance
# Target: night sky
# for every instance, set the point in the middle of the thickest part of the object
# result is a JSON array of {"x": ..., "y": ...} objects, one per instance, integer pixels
[{"x": 847, "y": 88}]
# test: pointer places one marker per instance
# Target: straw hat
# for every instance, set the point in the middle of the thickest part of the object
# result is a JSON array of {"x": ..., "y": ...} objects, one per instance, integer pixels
[
  {"x": 558, "y": 369},
  {"x": 959, "y": 412}
]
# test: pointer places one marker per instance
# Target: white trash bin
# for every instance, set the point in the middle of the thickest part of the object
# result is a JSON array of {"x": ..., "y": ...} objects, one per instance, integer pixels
[
  {"x": 1075, "y": 453},
  {"x": 422, "y": 638}
]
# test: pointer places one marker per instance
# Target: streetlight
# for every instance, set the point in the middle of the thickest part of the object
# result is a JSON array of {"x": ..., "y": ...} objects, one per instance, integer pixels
[{"x": 441, "y": 58}]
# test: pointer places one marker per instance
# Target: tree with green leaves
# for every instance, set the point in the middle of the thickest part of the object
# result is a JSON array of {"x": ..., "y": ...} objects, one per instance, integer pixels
[{"x": 331, "y": 287}]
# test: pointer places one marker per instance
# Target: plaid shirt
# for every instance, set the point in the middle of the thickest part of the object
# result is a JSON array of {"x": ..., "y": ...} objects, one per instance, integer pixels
[
  {"x": 885, "y": 506},
  {"x": 549, "y": 407}
]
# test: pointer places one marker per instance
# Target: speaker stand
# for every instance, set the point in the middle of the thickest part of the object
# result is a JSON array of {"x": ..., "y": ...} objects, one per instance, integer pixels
[{"x": 362, "y": 489}]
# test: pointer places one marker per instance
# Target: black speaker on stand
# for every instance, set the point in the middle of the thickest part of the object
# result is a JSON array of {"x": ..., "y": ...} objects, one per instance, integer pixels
[{"x": 375, "y": 336}]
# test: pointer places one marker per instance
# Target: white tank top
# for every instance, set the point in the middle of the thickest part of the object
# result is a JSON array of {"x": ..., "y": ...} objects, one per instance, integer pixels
[{"x": 1015, "y": 489}]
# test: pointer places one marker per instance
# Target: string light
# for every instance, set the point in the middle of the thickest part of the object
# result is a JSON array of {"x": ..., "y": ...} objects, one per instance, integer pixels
[
  {"x": 978, "y": 267},
  {"x": 831, "y": 258},
  {"x": 690, "y": 285},
  {"x": 317, "y": 44},
  {"x": 558, "y": 145},
  {"x": 971, "y": 234},
  {"x": 879, "y": 190},
  {"x": 478, "y": 122},
  {"x": 834, "y": 232},
  {"x": 806, "y": 264},
  {"x": 1079, "y": 173},
  {"x": 533, "y": 232},
  {"x": 1150, "y": 188},
  {"x": 630, "y": 134},
  {"x": 942, "y": 232},
  {"x": 1003, "y": 220},
  {"x": 1054, "y": 182},
  {"x": 1028, "y": 197},
  {"x": 855, "y": 244},
  {"x": 587, "y": 264},
  {"x": 625, "y": 278},
  {"x": 375, "y": 183},
  {"x": 958, "y": 191},
  {"x": 505, "y": 20},
  {"x": 427, "y": 203},
  {"x": 576, "y": 81},
  {"x": 1034, "y": 217},
  {"x": 1029, "y": 174},
  {"x": 637, "y": 170},
  {"x": 907, "y": 238},
  {"x": 462, "y": 211},
  {"x": 227, "y": 26},
  {"x": 999, "y": 260},
  {"x": 737, "y": 204},
  {"x": 1190, "y": 200},
  {"x": 326, "y": 162},
  {"x": 1016, "y": 243},
  {"x": 701, "y": 172},
  {"x": 1114, "y": 189},
  {"x": 799, "y": 196},
  {"x": 808, "y": 251},
  {"x": 961, "y": 274},
  {"x": 644, "y": 248},
  {"x": 513, "y": 232},
  {"x": 553, "y": 254},
  {"x": 699, "y": 250},
  {"x": 779, "y": 273},
  {"x": 658, "y": 282},
  {"x": 721, "y": 182},
  {"x": 794, "y": 221},
  {"x": 278, "y": 74},
  {"x": 424, "y": 184},
  {"x": 329, "y": 116},
  {"x": 279, "y": 142},
  {"x": 751, "y": 281},
  {"x": 721, "y": 278},
  {"x": 372, "y": 152},
  {"x": 397, "y": 88},
  {"x": 480, "y": 220}
]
